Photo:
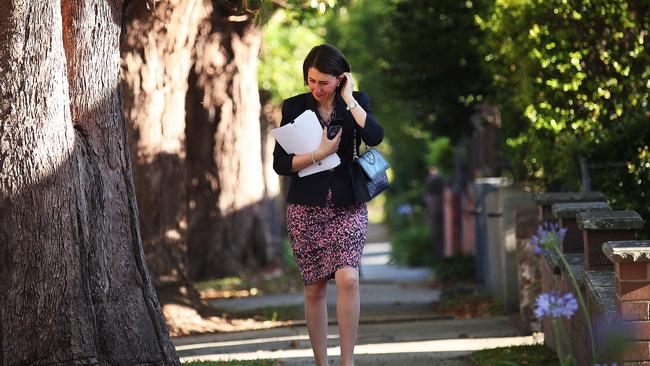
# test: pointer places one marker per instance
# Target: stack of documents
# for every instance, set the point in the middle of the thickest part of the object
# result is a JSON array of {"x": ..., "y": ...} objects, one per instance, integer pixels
[{"x": 303, "y": 136}]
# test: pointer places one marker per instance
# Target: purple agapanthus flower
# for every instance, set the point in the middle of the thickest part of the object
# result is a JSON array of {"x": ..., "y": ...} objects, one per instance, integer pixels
[
  {"x": 554, "y": 305},
  {"x": 547, "y": 235},
  {"x": 605, "y": 364},
  {"x": 404, "y": 209}
]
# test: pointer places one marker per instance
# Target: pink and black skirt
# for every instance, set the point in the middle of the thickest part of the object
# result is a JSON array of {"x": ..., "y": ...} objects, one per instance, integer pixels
[{"x": 326, "y": 239}]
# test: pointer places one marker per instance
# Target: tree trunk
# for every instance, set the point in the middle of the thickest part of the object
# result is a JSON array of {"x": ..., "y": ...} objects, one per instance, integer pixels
[
  {"x": 228, "y": 226},
  {"x": 157, "y": 56},
  {"x": 276, "y": 187},
  {"x": 74, "y": 286}
]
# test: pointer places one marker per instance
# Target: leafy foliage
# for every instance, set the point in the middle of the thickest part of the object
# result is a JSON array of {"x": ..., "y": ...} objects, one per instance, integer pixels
[
  {"x": 459, "y": 267},
  {"x": 364, "y": 34},
  {"x": 435, "y": 64},
  {"x": 440, "y": 154},
  {"x": 573, "y": 79},
  {"x": 263, "y": 10},
  {"x": 287, "y": 40},
  {"x": 413, "y": 246}
]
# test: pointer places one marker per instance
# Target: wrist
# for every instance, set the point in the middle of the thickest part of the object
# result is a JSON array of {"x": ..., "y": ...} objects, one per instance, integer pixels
[
  {"x": 314, "y": 157},
  {"x": 351, "y": 104}
]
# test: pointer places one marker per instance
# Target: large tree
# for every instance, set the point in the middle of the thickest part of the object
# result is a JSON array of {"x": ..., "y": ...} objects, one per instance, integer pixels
[
  {"x": 74, "y": 285},
  {"x": 228, "y": 221},
  {"x": 175, "y": 156},
  {"x": 156, "y": 57}
]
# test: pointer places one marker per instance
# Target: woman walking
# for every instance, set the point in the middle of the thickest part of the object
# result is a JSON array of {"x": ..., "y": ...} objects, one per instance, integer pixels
[{"x": 327, "y": 229}]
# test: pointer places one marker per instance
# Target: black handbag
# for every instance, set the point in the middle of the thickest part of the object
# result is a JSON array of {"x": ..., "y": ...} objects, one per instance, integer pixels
[{"x": 368, "y": 173}]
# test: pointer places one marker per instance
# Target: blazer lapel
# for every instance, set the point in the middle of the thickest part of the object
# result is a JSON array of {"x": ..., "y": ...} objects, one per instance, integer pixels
[{"x": 310, "y": 103}]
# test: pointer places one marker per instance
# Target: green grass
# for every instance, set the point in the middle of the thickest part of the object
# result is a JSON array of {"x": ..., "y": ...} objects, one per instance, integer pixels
[
  {"x": 233, "y": 363},
  {"x": 227, "y": 283},
  {"x": 256, "y": 284},
  {"x": 288, "y": 281},
  {"x": 532, "y": 355},
  {"x": 272, "y": 313}
]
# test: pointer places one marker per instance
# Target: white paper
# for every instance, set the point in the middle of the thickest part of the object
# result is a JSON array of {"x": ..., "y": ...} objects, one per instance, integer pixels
[{"x": 303, "y": 136}]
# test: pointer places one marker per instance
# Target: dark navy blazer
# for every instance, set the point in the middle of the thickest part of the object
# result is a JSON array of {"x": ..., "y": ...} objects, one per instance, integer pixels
[{"x": 312, "y": 189}]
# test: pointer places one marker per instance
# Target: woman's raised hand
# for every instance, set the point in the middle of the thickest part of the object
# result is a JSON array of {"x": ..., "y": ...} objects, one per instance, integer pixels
[{"x": 348, "y": 85}]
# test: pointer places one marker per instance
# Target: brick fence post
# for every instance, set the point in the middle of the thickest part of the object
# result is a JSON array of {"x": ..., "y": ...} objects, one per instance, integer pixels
[
  {"x": 545, "y": 201},
  {"x": 632, "y": 276},
  {"x": 566, "y": 213},
  {"x": 547, "y": 264},
  {"x": 602, "y": 226}
]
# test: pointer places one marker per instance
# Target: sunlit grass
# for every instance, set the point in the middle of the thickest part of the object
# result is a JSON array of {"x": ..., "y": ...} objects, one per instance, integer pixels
[
  {"x": 284, "y": 280},
  {"x": 251, "y": 284},
  {"x": 268, "y": 313}
]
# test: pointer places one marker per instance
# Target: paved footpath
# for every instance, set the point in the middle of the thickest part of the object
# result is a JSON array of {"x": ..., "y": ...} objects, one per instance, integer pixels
[{"x": 398, "y": 326}]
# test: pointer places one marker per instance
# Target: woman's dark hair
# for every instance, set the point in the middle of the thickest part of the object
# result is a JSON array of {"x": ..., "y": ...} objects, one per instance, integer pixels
[{"x": 326, "y": 59}]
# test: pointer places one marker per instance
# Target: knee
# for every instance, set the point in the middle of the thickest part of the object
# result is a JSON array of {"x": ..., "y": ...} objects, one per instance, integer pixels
[
  {"x": 315, "y": 293},
  {"x": 347, "y": 281}
]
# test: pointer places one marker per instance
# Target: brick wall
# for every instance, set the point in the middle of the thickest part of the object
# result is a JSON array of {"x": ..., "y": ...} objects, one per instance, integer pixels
[{"x": 613, "y": 275}]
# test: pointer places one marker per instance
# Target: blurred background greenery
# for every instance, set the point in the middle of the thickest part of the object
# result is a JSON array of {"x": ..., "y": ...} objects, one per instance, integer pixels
[{"x": 570, "y": 80}]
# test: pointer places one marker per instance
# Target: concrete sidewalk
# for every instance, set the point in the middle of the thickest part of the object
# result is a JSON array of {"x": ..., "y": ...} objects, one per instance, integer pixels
[
  {"x": 398, "y": 325},
  {"x": 422, "y": 342},
  {"x": 386, "y": 290}
]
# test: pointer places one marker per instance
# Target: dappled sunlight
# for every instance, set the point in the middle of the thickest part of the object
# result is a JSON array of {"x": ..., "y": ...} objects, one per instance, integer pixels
[
  {"x": 184, "y": 320},
  {"x": 247, "y": 342},
  {"x": 455, "y": 347}
]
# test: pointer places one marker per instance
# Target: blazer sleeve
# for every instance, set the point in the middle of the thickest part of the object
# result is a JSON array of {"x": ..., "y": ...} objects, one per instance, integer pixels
[
  {"x": 282, "y": 161},
  {"x": 372, "y": 133}
]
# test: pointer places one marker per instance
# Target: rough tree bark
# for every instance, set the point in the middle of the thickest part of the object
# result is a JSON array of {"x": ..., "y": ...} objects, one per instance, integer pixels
[
  {"x": 74, "y": 286},
  {"x": 156, "y": 59},
  {"x": 228, "y": 225}
]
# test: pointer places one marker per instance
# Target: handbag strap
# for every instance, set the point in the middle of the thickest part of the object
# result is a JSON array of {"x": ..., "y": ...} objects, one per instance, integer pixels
[
  {"x": 355, "y": 154},
  {"x": 355, "y": 148}
]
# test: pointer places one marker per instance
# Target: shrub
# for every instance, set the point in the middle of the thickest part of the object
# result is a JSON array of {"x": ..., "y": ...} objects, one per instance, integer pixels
[{"x": 413, "y": 246}]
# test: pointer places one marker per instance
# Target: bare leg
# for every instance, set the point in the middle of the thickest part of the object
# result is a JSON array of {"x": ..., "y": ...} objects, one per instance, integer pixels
[
  {"x": 347, "y": 312},
  {"x": 316, "y": 317}
]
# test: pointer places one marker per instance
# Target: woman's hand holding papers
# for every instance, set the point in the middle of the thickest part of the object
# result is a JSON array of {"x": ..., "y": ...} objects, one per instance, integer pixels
[
  {"x": 325, "y": 149},
  {"x": 327, "y": 146}
]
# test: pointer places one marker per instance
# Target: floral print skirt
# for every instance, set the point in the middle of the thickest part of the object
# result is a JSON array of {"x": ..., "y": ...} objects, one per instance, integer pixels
[{"x": 326, "y": 239}]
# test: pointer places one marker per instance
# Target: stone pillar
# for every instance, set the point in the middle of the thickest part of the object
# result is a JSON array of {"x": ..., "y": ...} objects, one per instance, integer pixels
[
  {"x": 544, "y": 201},
  {"x": 632, "y": 276},
  {"x": 528, "y": 274},
  {"x": 566, "y": 213},
  {"x": 602, "y": 226}
]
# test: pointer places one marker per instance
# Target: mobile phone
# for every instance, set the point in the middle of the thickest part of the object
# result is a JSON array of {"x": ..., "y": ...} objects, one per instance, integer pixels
[{"x": 332, "y": 131}]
